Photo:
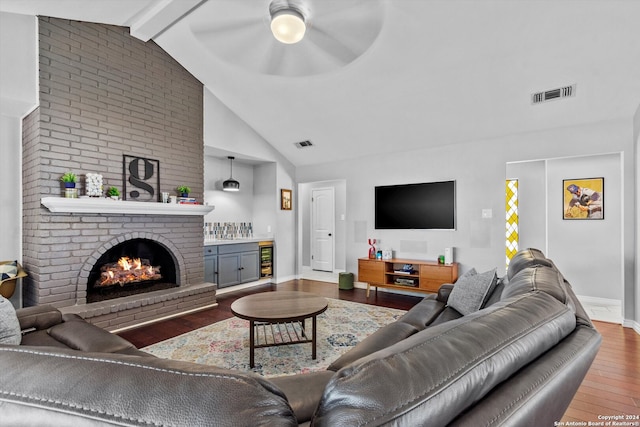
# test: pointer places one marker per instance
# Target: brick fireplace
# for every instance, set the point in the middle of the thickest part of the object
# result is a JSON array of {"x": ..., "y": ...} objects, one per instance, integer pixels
[{"x": 105, "y": 95}]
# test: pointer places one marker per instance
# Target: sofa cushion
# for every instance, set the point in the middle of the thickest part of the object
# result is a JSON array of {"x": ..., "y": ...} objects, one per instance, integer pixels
[
  {"x": 496, "y": 294},
  {"x": 545, "y": 279},
  {"x": 422, "y": 314},
  {"x": 382, "y": 338},
  {"x": 471, "y": 290},
  {"x": 527, "y": 258},
  {"x": 42, "y": 339},
  {"x": 303, "y": 391},
  {"x": 9, "y": 325},
  {"x": 45, "y": 386},
  {"x": 437, "y": 373}
]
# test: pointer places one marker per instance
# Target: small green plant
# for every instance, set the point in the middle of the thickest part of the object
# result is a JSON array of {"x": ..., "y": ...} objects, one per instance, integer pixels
[
  {"x": 183, "y": 189},
  {"x": 113, "y": 192},
  {"x": 69, "y": 177}
]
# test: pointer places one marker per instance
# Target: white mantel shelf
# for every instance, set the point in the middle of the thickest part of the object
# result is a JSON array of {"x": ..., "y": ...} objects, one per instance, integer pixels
[{"x": 110, "y": 206}]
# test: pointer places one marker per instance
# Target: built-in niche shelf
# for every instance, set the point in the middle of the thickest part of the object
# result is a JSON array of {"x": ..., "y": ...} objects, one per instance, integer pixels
[{"x": 110, "y": 206}]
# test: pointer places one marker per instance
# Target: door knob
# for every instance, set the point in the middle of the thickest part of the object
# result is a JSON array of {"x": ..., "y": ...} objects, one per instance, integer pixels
[{"x": 329, "y": 234}]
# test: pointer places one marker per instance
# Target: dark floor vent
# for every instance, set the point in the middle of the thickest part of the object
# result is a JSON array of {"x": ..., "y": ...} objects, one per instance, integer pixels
[{"x": 549, "y": 95}]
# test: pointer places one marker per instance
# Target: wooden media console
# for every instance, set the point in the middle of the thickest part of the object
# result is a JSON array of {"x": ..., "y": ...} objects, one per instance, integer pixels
[{"x": 406, "y": 274}]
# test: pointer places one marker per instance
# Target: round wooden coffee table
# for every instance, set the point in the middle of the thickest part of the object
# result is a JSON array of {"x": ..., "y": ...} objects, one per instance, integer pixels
[{"x": 278, "y": 318}]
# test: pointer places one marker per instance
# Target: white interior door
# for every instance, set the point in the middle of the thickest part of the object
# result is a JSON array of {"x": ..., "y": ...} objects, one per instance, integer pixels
[{"x": 322, "y": 228}]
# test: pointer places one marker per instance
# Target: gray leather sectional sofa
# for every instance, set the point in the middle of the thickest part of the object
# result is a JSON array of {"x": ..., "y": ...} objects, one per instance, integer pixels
[{"x": 517, "y": 361}]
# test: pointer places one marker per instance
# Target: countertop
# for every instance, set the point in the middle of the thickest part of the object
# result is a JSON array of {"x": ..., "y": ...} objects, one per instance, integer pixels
[{"x": 211, "y": 242}]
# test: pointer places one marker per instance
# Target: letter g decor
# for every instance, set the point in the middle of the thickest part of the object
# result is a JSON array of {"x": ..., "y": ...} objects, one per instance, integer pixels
[{"x": 140, "y": 179}]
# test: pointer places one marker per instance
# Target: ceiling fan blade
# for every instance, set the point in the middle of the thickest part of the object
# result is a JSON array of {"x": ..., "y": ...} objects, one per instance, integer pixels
[
  {"x": 331, "y": 46},
  {"x": 273, "y": 58},
  {"x": 228, "y": 27}
]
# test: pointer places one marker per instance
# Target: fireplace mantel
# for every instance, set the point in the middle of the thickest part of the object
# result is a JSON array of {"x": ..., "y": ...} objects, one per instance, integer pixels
[{"x": 110, "y": 206}]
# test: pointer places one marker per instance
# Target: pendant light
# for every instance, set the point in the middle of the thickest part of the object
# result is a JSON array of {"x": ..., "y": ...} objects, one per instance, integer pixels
[{"x": 231, "y": 184}]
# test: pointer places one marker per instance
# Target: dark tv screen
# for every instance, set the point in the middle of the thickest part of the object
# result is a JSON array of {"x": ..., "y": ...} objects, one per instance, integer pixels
[{"x": 427, "y": 206}]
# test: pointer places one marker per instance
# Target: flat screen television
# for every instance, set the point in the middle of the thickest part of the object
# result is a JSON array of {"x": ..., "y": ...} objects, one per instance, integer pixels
[{"x": 426, "y": 206}]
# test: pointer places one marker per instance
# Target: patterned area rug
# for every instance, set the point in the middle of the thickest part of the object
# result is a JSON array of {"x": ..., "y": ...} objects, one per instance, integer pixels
[{"x": 226, "y": 343}]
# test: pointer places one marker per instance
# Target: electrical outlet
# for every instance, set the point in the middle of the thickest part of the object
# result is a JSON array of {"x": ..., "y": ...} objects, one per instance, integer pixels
[{"x": 487, "y": 213}]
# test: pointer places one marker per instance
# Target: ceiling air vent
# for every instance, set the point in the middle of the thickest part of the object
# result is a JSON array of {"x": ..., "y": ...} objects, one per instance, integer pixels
[
  {"x": 303, "y": 144},
  {"x": 552, "y": 94}
]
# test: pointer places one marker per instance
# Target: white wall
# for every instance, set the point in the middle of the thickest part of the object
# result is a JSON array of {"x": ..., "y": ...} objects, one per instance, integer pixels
[
  {"x": 224, "y": 130},
  {"x": 11, "y": 198},
  {"x": 18, "y": 96},
  {"x": 479, "y": 170},
  {"x": 634, "y": 268},
  {"x": 229, "y": 206},
  {"x": 589, "y": 253},
  {"x": 532, "y": 203},
  {"x": 265, "y": 199}
]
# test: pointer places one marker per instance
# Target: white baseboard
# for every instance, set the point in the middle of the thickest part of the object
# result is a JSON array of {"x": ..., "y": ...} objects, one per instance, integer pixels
[
  {"x": 286, "y": 278},
  {"x": 632, "y": 324},
  {"x": 233, "y": 288},
  {"x": 598, "y": 301}
]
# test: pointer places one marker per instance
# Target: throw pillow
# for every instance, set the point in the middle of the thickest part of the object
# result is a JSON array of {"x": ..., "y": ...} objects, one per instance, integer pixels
[
  {"x": 9, "y": 324},
  {"x": 9, "y": 270},
  {"x": 471, "y": 290}
]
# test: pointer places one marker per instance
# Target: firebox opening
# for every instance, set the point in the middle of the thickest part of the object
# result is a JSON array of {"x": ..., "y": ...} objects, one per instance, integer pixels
[{"x": 132, "y": 267}]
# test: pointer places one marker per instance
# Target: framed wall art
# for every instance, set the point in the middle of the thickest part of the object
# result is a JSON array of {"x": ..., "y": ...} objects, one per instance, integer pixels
[
  {"x": 285, "y": 199},
  {"x": 140, "y": 179},
  {"x": 583, "y": 199}
]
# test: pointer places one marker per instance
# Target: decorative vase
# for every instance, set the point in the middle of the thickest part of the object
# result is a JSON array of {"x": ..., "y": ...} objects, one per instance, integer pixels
[
  {"x": 70, "y": 190},
  {"x": 94, "y": 185},
  {"x": 372, "y": 248}
]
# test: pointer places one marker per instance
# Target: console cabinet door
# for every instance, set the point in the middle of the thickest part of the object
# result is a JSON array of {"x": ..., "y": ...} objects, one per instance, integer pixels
[
  {"x": 249, "y": 266},
  {"x": 371, "y": 271},
  {"x": 433, "y": 276}
]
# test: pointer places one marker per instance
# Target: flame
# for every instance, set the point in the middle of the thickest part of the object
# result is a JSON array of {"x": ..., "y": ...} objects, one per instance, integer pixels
[
  {"x": 125, "y": 263},
  {"x": 128, "y": 270}
]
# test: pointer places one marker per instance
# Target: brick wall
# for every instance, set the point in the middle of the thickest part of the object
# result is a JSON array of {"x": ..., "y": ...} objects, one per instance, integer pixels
[{"x": 104, "y": 94}]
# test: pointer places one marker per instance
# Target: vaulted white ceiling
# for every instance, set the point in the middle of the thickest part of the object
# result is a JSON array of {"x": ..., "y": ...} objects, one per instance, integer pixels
[{"x": 386, "y": 76}]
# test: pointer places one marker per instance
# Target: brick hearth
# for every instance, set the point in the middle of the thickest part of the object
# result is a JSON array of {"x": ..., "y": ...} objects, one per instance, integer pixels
[{"x": 104, "y": 94}]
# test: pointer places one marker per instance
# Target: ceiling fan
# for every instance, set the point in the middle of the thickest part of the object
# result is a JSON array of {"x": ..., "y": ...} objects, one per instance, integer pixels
[{"x": 330, "y": 33}]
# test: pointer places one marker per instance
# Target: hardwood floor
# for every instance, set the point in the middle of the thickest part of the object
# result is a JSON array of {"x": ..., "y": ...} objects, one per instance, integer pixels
[{"x": 611, "y": 387}]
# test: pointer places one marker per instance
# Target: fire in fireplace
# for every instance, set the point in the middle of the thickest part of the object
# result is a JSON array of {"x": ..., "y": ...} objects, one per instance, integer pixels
[
  {"x": 127, "y": 270},
  {"x": 131, "y": 267}
]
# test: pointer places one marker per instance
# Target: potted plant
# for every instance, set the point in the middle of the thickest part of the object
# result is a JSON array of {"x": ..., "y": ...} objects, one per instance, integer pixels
[
  {"x": 114, "y": 193},
  {"x": 69, "y": 179},
  {"x": 183, "y": 190}
]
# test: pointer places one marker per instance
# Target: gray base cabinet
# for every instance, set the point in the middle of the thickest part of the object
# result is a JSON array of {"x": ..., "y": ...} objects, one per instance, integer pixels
[
  {"x": 231, "y": 264},
  {"x": 211, "y": 264}
]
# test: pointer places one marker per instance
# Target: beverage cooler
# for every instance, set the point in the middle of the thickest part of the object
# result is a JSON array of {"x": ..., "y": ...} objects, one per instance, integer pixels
[{"x": 266, "y": 259}]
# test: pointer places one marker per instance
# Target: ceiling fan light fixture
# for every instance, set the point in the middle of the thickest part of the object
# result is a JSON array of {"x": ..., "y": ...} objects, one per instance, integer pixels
[
  {"x": 231, "y": 184},
  {"x": 288, "y": 25}
]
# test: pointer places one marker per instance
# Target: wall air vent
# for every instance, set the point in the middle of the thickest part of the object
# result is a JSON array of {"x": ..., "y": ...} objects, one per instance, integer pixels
[
  {"x": 303, "y": 144},
  {"x": 549, "y": 95}
]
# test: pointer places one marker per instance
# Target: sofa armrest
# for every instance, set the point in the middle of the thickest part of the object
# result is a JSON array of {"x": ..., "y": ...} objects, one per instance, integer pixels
[
  {"x": 84, "y": 336},
  {"x": 444, "y": 292},
  {"x": 39, "y": 317},
  {"x": 303, "y": 391}
]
